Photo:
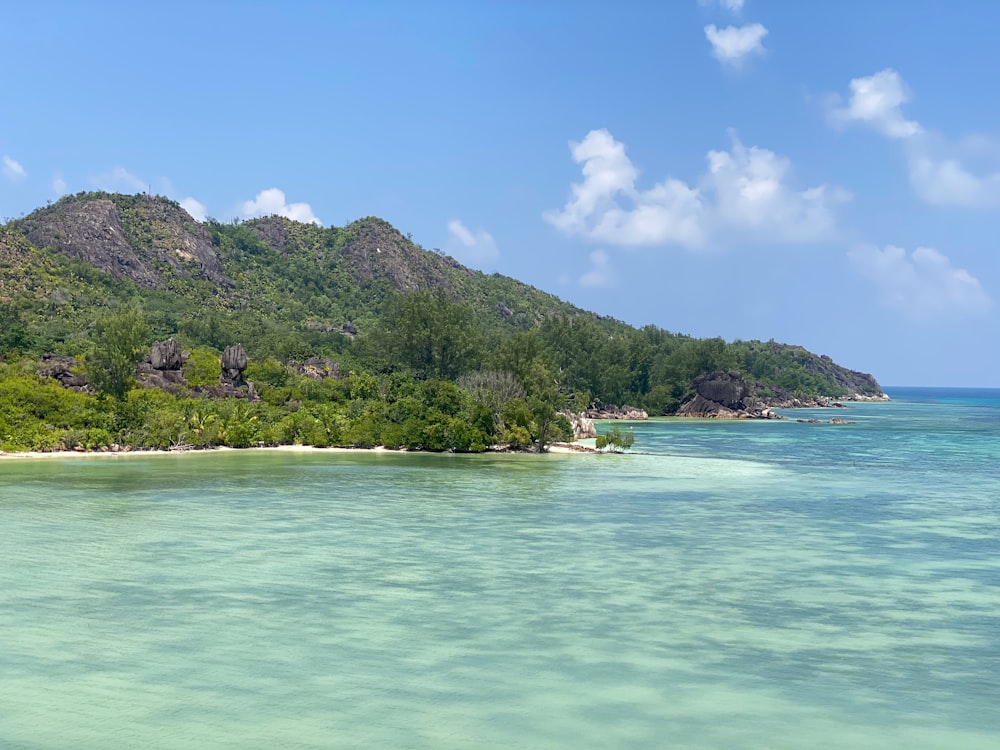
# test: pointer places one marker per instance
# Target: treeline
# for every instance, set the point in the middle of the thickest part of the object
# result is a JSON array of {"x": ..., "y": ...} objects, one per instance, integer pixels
[
  {"x": 426, "y": 374},
  {"x": 431, "y": 399}
]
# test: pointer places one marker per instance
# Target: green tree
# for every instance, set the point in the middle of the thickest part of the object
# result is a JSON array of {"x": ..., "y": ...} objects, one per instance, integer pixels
[
  {"x": 615, "y": 440},
  {"x": 428, "y": 334},
  {"x": 119, "y": 341},
  {"x": 14, "y": 336}
]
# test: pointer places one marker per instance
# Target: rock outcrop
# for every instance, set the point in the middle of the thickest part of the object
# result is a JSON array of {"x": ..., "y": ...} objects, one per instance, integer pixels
[
  {"x": 162, "y": 368},
  {"x": 130, "y": 237},
  {"x": 583, "y": 426},
  {"x": 724, "y": 395},
  {"x": 318, "y": 368},
  {"x": 234, "y": 363},
  {"x": 62, "y": 370},
  {"x": 166, "y": 355},
  {"x": 616, "y": 412}
]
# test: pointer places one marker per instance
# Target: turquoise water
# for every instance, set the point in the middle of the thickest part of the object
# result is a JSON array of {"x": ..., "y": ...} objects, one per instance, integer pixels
[{"x": 737, "y": 585}]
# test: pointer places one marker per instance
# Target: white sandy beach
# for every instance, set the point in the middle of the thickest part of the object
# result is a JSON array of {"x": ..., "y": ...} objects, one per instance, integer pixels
[{"x": 561, "y": 448}]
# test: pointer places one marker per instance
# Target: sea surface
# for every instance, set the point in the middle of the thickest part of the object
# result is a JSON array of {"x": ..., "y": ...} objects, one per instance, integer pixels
[{"x": 728, "y": 585}]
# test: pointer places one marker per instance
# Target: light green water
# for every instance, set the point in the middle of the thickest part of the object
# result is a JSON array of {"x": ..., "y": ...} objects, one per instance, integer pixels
[{"x": 360, "y": 600}]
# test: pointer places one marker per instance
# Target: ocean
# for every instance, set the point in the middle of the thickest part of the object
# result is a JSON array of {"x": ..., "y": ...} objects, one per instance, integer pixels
[{"x": 769, "y": 584}]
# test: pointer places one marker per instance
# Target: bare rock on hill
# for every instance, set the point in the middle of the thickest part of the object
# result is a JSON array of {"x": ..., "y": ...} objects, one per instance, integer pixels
[
  {"x": 375, "y": 249},
  {"x": 234, "y": 362},
  {"x": 127, "y": 236},
  {"x": 63, "y": 369},
  {"x": 166, "y": 355},
  {"x": 318, "y": 368}
]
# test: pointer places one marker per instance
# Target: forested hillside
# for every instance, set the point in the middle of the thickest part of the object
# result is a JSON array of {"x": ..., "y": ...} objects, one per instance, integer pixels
[{"x": 353, "y": 335}]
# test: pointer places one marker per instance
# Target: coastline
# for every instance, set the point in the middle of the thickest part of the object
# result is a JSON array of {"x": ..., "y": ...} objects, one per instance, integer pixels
[{"x": 556, "y": 448}]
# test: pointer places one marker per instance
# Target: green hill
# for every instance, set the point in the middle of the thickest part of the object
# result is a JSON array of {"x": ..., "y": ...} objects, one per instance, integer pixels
[{"x": 362, "y": 299}]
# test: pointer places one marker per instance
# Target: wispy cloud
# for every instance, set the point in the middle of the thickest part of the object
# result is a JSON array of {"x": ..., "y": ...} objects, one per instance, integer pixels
[
  {"x": 942, "y": 172},
  {"x": 195, "y": 208},
  {"x": 733, "y": 45},
  {"x": 731, "y": 5},
  {"x": 473, "y": 248},
  {"x": 923, "y": 285},
  {"x": 12, "y": 169},
  {"x": 746, "y": 190},
  {"x": 59, "y": 186},
  {"x": 946, "y": 173},
  {"x": 601, "y": 274},
  {"x": 272, "y": 202},
  {"x": 119, "y": 180}
]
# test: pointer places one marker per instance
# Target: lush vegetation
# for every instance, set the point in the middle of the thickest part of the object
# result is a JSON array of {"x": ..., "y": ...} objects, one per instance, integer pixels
[
  {"x": 615, "y": 440},
  {"x": 427, "y": 354}
]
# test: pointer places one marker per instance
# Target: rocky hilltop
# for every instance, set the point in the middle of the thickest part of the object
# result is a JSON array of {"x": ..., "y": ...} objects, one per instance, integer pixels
[{"x": 142, "y": 238}]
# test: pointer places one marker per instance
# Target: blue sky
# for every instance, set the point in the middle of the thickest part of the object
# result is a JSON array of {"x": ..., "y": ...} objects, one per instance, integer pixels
[{"x": 826, "y": 174}]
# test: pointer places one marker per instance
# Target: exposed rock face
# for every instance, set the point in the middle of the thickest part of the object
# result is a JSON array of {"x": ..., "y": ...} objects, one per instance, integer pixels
[
  {"x": 583, "y": 427},
  {"x": 172, "y": 381},
  {"x": 318, "y": 368},
  {"x": 162, "y": 368},
  {"x": 61, "y": 369},
  {"x": 273, "y": 230},
  {"x": 727, "y": 389},
  {"x": 376, "y": 250},
  {"x": 91, "y": 231},
  {"x": 861, "y": 384},
  {"x": 127, "y": 236},
  {"x": 616, "y": 412},
  {"x": 166, "y": 355},
  {"x": 724, "y": 395},
  {"x": 234, "y": 362}
]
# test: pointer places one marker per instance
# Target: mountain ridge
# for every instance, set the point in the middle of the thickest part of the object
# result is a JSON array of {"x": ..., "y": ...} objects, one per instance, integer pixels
[{"x": 292, "y": 290}]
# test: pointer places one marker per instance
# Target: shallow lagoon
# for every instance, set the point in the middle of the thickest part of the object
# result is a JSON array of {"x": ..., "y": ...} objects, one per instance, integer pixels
[{"x": 750, "y": 584}]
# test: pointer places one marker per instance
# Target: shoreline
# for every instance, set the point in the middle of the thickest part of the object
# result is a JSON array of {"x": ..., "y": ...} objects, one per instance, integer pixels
[{"x": 555, "y": 448}]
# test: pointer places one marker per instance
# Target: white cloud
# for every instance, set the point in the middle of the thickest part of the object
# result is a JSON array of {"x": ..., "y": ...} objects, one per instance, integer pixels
[
  {"x": 12, "y": 169},
  {"x": 667, "y": 213},
  {"x": 942, "y": 172},
  {"x": 732, "y": 5},
  {"x": 195, "y": 208},
  {"x": 751, "y": 193},
  {"x": 59, "y": 186},
  {"x": 734, "y": 44},
  {"x": 745, "y": 190},
  {"x": 272, "y": 201},
  {"x": 876, "y": 101},
  {"x": 119, "y": 180},
  {"x": 600, "y": 274},
  {"x": 470, "y": 247},
  {"x": 922, "y": 286}
]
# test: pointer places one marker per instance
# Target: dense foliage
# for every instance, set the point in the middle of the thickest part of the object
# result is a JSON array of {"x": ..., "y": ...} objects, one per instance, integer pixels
[{"x": 428, "y": 354}]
